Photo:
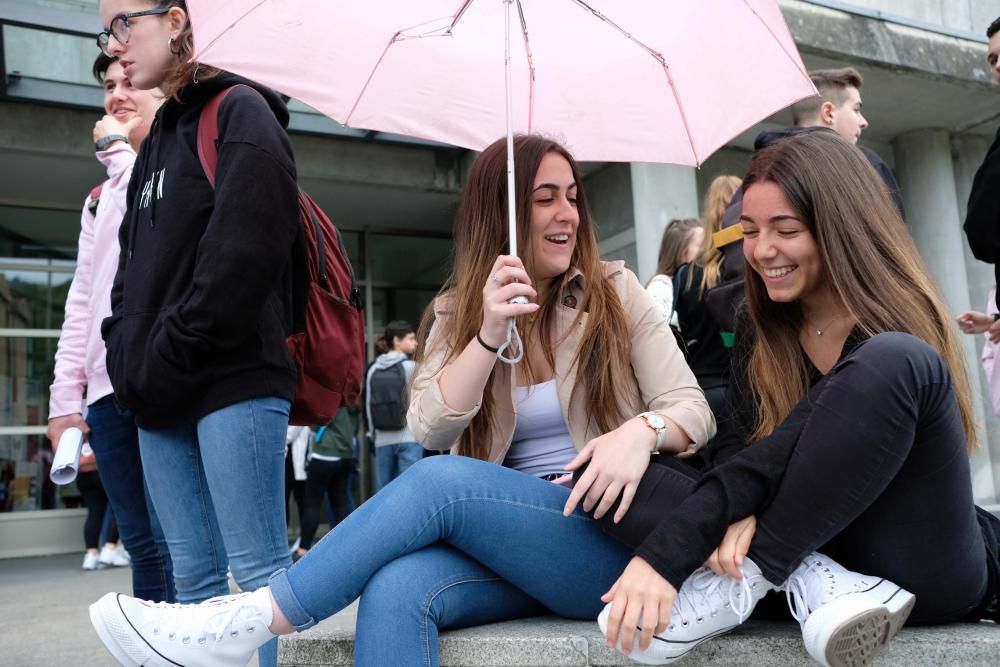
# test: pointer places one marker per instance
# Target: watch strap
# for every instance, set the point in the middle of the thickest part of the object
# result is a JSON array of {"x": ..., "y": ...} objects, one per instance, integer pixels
[
  {"x": 104, "y": 142},
  {"x": 661, "y": 433}
]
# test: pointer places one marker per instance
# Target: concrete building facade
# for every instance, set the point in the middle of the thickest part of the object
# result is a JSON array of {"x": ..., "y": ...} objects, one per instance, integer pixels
[{"x": 927, "y": 95}]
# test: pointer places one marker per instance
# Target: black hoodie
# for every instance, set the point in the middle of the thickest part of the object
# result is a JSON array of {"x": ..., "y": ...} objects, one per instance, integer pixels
[{"x": 202, "y": 301}]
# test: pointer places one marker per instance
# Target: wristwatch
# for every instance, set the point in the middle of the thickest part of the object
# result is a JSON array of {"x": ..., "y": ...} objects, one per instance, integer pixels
[
  {"x": 659, "y": 426},
  {"x": 104, "y": 142}
]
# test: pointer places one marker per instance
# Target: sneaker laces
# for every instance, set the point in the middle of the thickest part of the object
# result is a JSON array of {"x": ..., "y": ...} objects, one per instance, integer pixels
[
  {"x": 184, "y": 620},
  {"x": 806, "y": 585},
  {"x": 704, "y": 585}
]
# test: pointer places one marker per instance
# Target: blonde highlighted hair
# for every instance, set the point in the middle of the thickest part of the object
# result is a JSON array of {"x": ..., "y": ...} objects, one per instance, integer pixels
[
  {"x": 719, "y": 194},
  {"x": 871, "y": 265}
]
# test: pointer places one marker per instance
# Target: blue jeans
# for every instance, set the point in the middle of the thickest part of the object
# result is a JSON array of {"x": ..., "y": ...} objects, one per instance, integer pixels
[
  {"x": 453, "y": 542},
  {"x": 115, "y": 441},
  {"x": 391, "y": 461},
  {"x": 218, "y": 486}
]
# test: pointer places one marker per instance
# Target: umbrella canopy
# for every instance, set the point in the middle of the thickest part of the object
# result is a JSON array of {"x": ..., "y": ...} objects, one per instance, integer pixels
[{"x": 614, "y": 80}]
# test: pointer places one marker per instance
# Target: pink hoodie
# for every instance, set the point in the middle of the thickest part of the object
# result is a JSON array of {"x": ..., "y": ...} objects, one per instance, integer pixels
[
  {"x": 80, "y": 354},
  {"x": 990, "y": 353}
]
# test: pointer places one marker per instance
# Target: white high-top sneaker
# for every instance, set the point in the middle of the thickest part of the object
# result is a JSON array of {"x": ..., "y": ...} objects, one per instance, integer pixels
[
  {"x": 707, "y": 606},
  {"x": 221, "y": 632},
  {"x": 847, "y": 618}
]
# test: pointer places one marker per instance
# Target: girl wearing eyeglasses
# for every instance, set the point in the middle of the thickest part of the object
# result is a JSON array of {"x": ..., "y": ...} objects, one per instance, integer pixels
[{"x": 201, "y": 307}]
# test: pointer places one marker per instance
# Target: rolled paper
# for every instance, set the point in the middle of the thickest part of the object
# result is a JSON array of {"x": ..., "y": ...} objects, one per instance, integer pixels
[{"x": 66, "y": 461}]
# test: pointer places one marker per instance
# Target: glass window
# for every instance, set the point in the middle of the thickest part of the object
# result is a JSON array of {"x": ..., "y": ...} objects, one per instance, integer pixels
[
  {"x": 66, "y": 58},
  {"x": 25, "y": 461},
  {"x": 33, "y": 299},
  {"x": 413, "y": 261},
  {"x": 399, "y": 303},
  {"x": 38, "y": 233},
  {"x": 26, "y": 367},
  {"x": 353, "y": 241}
]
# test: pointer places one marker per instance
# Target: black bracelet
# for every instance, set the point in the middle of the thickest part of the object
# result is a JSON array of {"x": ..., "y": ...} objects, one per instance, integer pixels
[{"x": 482, "y": 342}]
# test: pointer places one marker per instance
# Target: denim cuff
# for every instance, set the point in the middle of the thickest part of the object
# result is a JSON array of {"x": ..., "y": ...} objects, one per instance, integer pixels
[{"x": 285, "y": 598}]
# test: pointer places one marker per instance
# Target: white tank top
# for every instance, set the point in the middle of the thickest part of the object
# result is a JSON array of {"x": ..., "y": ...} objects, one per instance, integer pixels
[{"x": 541, "y": 445}]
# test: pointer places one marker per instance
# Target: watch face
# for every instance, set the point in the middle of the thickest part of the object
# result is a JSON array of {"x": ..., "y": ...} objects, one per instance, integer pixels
[{"x": 656, "y": 421}]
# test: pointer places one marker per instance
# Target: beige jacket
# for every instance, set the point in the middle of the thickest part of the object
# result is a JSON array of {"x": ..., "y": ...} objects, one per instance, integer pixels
[{"x": 663, "y": 381}]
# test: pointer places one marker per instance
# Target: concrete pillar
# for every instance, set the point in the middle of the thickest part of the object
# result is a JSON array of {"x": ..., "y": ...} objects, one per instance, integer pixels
[
  {"x": 660, "y": 193},
  {"x": 968, "y": 151},
  {"x": 927, "y": 180}
]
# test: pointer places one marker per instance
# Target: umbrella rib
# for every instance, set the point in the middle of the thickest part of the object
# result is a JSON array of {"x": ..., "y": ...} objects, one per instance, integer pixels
[
  {"x": 531, "y": 68},
  {"x": 392, "y": 40},
  {"x": 795, "y": 61},
  {"x": 666, "y": 69},
  {"x": 228, "y": 28}
]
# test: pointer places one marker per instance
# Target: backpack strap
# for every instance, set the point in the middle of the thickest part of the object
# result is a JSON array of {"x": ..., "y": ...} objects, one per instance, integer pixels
[
  {"x": 675, "y": 284},
  {"x": 208, "y": 132},
  {"x": 728, "y": 235},
  {"x": 95, "y": 197}
]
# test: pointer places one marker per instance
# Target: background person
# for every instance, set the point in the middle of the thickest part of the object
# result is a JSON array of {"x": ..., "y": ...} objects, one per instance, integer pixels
[
  {"x": 681, "y": 242},
  {"x": 982, "y": 219},
  {"x": 331, "y": 464},
  {"x": 838, "y": 108},
  {"x": 387, "y": 395},
  {"x": 974, "y": 322},
  {"x": 707, "y": 350},
  {"x": 202, "y": 304},
  {"x": 80, "y": 354}
]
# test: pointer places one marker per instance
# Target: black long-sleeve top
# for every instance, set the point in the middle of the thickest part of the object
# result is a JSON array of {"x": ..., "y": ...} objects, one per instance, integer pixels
[
  {"x": 740, "y": 481},
  {"x": 202, "y": 301},
  {"x": 982, "y": 219}
]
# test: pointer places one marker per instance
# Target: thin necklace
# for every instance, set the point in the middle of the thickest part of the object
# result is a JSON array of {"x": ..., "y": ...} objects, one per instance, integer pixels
[{"x": 819, "y": 330}]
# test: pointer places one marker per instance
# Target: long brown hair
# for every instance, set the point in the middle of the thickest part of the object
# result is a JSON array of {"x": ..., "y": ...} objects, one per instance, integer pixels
[
  {"x": 674, "y": 242},
  {"x": 182, "y": 47},
  {"x": 603, "y": 358},
  {"x": 719, "y": 194},
  {"x": 871, "y": 264}
]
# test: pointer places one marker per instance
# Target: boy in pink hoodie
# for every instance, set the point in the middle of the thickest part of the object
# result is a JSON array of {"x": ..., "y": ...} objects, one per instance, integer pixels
[{"x": 80, "y": 355}]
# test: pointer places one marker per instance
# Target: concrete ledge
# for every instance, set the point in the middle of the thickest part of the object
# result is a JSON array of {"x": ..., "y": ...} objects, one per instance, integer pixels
[{"x": 549, "y": 641}]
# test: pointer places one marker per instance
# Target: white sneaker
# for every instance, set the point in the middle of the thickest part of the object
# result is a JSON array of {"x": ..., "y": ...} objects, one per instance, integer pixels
[
  {"x": 847, "y": 618},
  {"x": 707, "y": 606},
  {"x": 221, "y": 632},
  {"x": 115, "y": 557},
  {"x": 91, "y": 562}
]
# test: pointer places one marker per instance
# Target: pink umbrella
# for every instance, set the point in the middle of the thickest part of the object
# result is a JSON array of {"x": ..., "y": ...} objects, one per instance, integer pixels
[{"x": 615, "y": 80}]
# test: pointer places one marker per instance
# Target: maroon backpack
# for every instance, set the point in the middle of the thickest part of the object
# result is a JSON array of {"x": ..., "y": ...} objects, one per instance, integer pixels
[{"x": 329, "y": 353}]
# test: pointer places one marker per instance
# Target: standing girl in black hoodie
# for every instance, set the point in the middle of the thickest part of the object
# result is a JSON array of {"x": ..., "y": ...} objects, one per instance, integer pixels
[{"x": 201, "y": 306}]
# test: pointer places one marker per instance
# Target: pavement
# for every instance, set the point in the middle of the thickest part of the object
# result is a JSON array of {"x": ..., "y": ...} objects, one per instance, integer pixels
[
  {"x": 44, "y": 623},
  {"x": 43, "y": 611}
]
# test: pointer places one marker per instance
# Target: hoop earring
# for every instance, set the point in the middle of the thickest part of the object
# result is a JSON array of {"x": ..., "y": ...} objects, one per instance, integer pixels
[
  {"x": 196, "y": 68},
  {"x": 170, "y": 47}
]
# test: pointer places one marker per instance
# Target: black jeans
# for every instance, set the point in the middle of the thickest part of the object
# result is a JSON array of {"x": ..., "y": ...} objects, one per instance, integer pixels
[
  {"x": 331, "y": 478},
  {"x": 870, "y": 468},
  {"x": 96, "y": 502},
  {"x": 293, "y": 488}
]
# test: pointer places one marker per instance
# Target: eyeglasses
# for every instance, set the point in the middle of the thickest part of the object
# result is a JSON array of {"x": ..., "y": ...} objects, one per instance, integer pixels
[{"x": 119, "y": 28}]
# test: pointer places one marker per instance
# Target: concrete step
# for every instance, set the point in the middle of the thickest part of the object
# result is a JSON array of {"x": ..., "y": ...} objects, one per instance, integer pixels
[{"x": 550, "y": 641}]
